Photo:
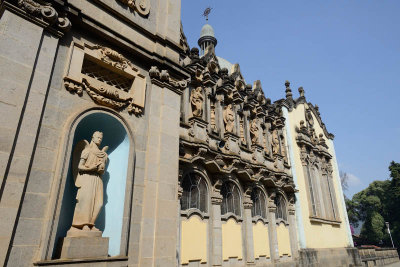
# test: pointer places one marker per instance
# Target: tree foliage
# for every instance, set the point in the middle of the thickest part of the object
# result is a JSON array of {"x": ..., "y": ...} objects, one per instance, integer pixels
[{"x": 375, "y": 205}]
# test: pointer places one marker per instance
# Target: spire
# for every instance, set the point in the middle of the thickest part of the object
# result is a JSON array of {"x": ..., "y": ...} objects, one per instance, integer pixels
[
  {"x": 207, "y": 36},
  {"x": 288, "y": 90}
]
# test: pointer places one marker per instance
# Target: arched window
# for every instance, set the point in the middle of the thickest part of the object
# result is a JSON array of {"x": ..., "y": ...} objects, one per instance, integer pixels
[
  {"x": 311, "y": 190},
  {"x": 280, "y": 203},
  {"x": 230, "y": 199},
  {"x": 258, "y": 198},
  {"x": 194, "y": 194}
]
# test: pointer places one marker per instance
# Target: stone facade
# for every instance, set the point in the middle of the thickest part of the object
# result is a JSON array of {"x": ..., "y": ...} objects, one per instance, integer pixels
[{"x": 202, "y": 169}]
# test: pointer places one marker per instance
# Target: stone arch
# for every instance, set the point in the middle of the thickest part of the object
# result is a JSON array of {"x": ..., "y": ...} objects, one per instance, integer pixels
[
  {"x": 236, "y": 182},
  {"x": 203, "y": 173},
  {"x": 118, "y": 135}
]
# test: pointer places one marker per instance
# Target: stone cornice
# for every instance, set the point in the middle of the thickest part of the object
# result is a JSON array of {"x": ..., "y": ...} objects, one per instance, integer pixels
[
  {"x": 163, "y": 79},
  {"x": 52, "y": 19},
  {"x": 226, "y": 164}
]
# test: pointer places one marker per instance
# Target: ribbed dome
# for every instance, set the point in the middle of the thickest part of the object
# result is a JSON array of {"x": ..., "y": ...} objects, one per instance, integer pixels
[{"x": 207, "y": 30}]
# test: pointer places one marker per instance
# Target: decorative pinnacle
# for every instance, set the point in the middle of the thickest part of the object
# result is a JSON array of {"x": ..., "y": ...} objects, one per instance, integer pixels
[
  {"x": 288, "y": 90},
  {"x": 207, "y": 12},
  {"x": 301, "y": 91}
]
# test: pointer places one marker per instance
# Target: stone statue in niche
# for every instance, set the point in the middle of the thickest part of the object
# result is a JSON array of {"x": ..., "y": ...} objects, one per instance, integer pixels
[
  {"x": 196, "y": 100},
  {"x": 275, "y": 142},
  {"x": 265, "y": 144},
  {"x": 229, "y": 118},
  {"x": 254, "y": 131},
  {"x": 89, "y": 165}
]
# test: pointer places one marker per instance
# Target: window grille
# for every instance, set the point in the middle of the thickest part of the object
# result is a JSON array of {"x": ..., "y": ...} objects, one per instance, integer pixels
[
  {"x": 105, "y": 75},
  {"x": 194, "y": 195},
  {"x": 230, "y": 199},
  {"x": 280, "y": 208},
  {"x": 259, "y": 207}
]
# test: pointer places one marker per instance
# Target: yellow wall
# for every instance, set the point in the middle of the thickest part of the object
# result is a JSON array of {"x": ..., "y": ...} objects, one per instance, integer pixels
[
  {"x": 231, "y": 240},
  {"x": 333, "y": 236},
  {"x": 193, "y": 239},
  {"x": 282, "y": 233},
  {"x": 261, "y": 240}
]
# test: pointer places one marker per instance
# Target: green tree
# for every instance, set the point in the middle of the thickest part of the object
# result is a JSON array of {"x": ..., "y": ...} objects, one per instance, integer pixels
[{"x": 375, "y": 205}]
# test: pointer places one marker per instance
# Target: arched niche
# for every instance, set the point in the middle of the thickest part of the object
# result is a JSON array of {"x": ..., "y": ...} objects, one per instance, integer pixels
[{"x": 110, "y": 219}]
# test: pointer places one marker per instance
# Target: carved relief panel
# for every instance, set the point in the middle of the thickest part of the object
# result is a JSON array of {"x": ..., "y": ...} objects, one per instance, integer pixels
[{"x": 107, "y": 76}]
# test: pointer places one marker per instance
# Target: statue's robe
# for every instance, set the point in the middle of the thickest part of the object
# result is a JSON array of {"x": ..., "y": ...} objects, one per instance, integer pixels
[{"x": 90, "y": 187}]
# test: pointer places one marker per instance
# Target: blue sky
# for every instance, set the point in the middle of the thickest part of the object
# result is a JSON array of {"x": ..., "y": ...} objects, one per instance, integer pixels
[{"x": 345, "y": 53}]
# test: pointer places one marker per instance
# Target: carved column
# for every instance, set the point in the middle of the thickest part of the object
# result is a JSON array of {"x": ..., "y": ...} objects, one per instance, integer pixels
[
  {"x": 248, "y": 228},
  {"x": 292, "y": 228},
  {"x": 178, "y": 232},
  {"x": 246, "y": 127},
  {"x": 216, "y": 200},
  {"x": 185, "y": 109},
  {"x": 236, "y": 130},
  {"x": 219, "y": 115},
  {"x": 207, "y": 109},
  {"x": 273, "y": 238}
]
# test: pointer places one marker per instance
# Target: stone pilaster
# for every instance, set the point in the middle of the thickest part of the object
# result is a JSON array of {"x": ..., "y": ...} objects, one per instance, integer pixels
[
  {"x": 292, "y": 230},
  {"x": 162, "y": 164},
  {"x": 248, "y": 229},
  {"x": 273, "y": 238},
  {"x": 219, "y": 115},
  {"x": 246, "y": 127},
  {"x": 27, "y": 55},
  {"x": 216, "y": 200}
]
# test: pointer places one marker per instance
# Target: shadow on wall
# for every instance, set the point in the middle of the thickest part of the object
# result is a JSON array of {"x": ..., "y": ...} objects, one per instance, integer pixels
[{"x": 110, "y": 217}]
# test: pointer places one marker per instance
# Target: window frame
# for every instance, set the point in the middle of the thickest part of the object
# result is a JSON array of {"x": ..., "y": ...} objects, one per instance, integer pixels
[
  {"x": 194, "y": 210},
  {"x": 285, "y": 201},
  {"x": 229, "y": 214},
  {"x": 257, "y": 217}
]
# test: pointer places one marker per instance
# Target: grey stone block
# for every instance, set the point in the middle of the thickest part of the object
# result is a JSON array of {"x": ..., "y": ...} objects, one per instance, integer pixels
[
  {"x": 28, "y": 232},
  {"x": 39, "y": 181},
  {"x": 20, "y": 256},
  {"x": 34, "y": 205},
  {"x": 84, "y": 247}
]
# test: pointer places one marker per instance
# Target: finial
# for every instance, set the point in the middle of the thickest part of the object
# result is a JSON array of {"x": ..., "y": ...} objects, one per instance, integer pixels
[
  {"x": 207, "y": 12},
  {"x": 288, "y": 90},
  {"x": 301, "y": 91}
]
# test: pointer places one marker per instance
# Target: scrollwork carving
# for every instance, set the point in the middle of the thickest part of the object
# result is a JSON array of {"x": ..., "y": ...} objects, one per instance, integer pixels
[
  {"x": 113, "y": 58},
  {"x": 45, "y": 12},
  {"x": 140, "y": 6}
]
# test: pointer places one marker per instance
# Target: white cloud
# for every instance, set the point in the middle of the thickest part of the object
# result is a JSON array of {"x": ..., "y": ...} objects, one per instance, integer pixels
[{"x": 353, "y": 180}]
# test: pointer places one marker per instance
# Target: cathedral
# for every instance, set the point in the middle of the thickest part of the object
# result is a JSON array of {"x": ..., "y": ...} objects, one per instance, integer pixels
[{"x": 122, "y": 146}]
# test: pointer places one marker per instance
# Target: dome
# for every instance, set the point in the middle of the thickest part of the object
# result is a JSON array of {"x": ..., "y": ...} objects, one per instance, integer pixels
[{"x": 207, "y": 30}]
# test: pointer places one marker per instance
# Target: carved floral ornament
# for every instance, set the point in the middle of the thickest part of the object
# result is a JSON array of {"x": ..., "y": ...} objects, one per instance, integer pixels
[
  {"x": 140, "y": 6},
  {"x": 313, "y": 149},
  {"x": 108, "y": 78},
  {"x": 45, "y": 12}
]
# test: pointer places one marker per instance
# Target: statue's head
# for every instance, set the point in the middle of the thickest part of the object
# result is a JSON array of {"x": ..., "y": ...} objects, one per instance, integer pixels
[{"x": 97, "y": 137}]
